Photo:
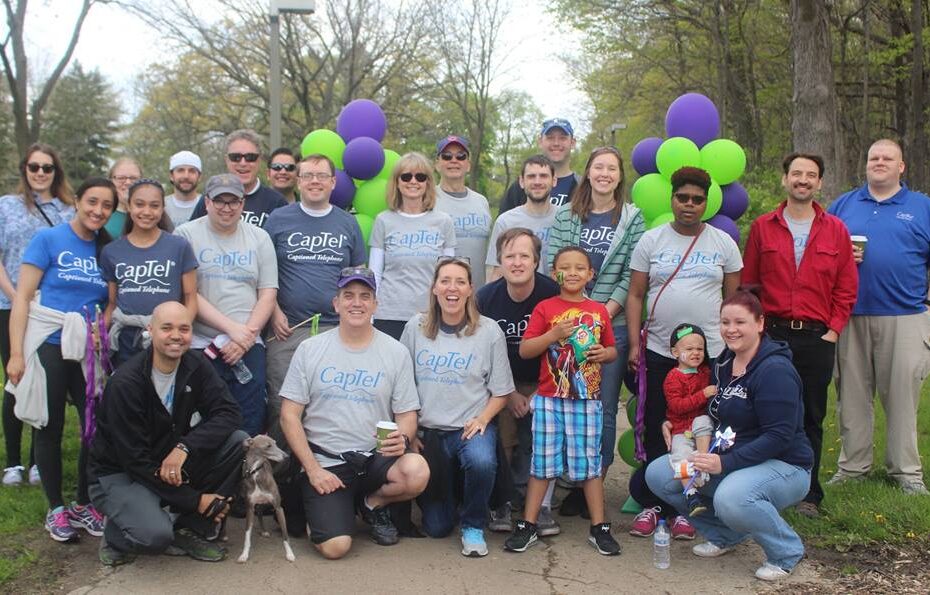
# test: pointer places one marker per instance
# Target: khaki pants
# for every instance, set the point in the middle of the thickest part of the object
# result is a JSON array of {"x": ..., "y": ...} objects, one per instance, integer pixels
[
  {"x": 890, "y": 355},
  {"x": 278, "y": 356}
]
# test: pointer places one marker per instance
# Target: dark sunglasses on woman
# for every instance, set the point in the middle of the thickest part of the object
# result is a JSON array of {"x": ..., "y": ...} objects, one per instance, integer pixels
[
  {"x": 288, "y": 167},
  {"x": 46, "y": 168},
  {"x": 407, "y": 176},
  {"x": 695, "y": 199}
]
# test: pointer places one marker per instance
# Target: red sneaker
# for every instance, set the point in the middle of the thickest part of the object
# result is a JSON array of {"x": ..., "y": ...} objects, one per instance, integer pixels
[
  {"x": 645, "y": 522},
  {"x": 682, "y": 528}
]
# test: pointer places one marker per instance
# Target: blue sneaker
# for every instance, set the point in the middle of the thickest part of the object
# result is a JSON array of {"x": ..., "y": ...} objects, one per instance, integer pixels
[
  {"x": 58, "y": 525},
  {"x": 473, "y": 544},
  {"x": 85, "y": 517}
]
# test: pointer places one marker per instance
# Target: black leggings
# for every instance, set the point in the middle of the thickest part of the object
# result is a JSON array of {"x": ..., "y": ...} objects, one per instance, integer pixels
[
  {"x": 12, "y": 426},
  {"x": 62, "y": 377}
]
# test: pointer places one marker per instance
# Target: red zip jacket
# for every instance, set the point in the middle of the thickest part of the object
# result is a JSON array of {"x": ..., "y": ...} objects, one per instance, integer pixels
[
  {"x": 684, "y": 397},
  {"x": 822, "y": 288}
]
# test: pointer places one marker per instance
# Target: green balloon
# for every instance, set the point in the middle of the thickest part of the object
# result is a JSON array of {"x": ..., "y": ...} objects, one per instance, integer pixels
[
  {"x": 660, "y": 220},
  {"x": 626, "y": 448},
  {"x": 370, "y": 198},
  {"x": 324, "y": 142},
  {"x": 714, "y": 200},
  {"x": 724, "y": 160},
  {"x": 390, "y": 160},
  {"x": 676, "y": 153},
  {"x": 365, "y": 222},
  {"x": 631, "y": 410},
  {"x": 653, "y": 195}
]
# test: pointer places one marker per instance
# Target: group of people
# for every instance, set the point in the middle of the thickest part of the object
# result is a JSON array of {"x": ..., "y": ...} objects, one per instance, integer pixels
[{"x": 497, "y": 349}]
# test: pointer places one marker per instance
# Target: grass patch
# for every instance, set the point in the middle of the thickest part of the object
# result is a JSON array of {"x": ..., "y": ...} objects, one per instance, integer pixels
[
  {"x": 875, "y": 510},
  {"x": 13, "y": 560}
]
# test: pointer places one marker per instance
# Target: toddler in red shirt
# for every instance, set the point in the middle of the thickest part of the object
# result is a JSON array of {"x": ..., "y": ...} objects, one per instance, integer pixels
[{"x": 687, "y": 389}]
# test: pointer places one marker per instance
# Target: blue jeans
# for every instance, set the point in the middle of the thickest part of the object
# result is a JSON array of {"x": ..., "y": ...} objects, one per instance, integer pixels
[
  {"x": 611, "y": 380},
  {"x": 745, "y": 504},
  {"x": 249, "y": 396},
  {"x": 477, "y": 459}
]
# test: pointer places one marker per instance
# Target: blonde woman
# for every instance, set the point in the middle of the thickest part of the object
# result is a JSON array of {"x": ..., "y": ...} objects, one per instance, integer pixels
[
  {"x": 406, "y": 240},
  {"x": 463, "y": 377}
]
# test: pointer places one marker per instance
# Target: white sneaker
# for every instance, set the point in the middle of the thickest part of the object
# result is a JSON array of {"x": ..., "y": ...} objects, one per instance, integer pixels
[
  {"x": 709, "y": 550},
  {"x": 13, "y": 476},
  {"x": 34, "y": 478},
  {"x": 473, "y": 544},
  {"x": 770, "y": 572}
]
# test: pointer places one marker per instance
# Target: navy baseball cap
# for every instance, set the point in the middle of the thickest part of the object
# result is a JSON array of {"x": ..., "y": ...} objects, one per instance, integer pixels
[
  {"x": 558, "y": 123},
  {"x": 452, "y": 139},
  {"x": 350, "y": 274}
]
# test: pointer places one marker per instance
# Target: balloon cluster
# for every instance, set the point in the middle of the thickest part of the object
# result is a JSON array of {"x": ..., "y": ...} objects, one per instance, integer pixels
[
  {"x": 692, "y": 124},
  {"x": 363, "y": 167}
]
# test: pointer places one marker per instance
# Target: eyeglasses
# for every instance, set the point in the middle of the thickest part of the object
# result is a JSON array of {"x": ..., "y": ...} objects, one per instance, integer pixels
[
  {"x": 407, "y": 176},
  {"x": 230, "y": 204},
  {"x": 46, "y": 168},
  {"x": 456, "y": 259},
  {"x": 276, "y": 166},
  {"x": 447, "y": 156},
  {"x": 695, "y": 199},
  {"x": 125, "y": 179},
  {"x": 237, "y": 157},
  {"x": 322, "y": 176}
]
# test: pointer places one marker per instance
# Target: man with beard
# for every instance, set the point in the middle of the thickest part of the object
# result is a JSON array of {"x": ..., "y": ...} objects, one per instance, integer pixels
[
  {"x": 802, "y": 258},
  {"x": 184, "y": 169},
  {"x": 556, "y": 142},
  {"x": 537, "y": 179}
]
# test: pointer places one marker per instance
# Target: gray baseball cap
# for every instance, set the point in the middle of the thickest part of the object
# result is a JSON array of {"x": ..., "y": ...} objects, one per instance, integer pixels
[{"x": 224, "y": 184}]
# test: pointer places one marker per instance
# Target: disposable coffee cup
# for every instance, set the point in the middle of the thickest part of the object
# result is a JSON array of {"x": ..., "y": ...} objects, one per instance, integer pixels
[
  {"x": 859, "y": 242},
  {"x": 383, "y": 428}
]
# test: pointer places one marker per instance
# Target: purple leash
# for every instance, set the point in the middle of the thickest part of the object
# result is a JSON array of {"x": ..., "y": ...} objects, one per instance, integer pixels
[{"x": 98, "y": 370}]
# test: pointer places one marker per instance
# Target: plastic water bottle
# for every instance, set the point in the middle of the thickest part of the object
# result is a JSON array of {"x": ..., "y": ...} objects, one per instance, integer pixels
[
  {"x": 661, "y": 543},
  {"x": 242, "y": 372}
]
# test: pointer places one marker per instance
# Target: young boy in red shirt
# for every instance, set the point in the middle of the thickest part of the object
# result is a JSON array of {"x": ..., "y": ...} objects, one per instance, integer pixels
[{"x": 576, "y": 336}]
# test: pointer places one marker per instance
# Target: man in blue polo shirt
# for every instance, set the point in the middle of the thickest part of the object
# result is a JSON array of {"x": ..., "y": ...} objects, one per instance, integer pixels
[{"x": 886, "y": 345}]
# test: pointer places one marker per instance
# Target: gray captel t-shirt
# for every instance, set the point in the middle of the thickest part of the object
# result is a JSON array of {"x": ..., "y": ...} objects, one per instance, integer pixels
[
  {"x": 456, "y": 375},
  {"x": 520, "y": 217},
  {"x": 471, "y": 217},
  {"x": 347, "y": 391}
]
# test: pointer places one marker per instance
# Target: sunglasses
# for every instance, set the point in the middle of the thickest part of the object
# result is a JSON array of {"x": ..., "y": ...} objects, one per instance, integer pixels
[
  {"x": 407, "y": 176},
  {"x": 46, "y": 168},
  {"x": 274, "y": 166},
  {"x": 237, "y": 157},
  {"x": 460, "y": 156},
  {"x": 231, "y": 204},
  {"x": 695, "y": 199}
]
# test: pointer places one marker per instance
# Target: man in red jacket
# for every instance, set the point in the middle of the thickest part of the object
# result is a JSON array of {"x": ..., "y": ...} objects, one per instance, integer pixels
[{"x": 802, "y": 258}]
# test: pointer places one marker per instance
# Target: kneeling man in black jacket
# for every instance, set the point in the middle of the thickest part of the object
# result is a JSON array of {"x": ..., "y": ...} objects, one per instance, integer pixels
[{"x": 167, "y": 453}]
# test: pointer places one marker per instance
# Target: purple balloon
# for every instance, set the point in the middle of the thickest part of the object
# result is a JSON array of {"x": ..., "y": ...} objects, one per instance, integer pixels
[
  {"x": 344, "y": 191},
  {"x": 724, "y": 223},
  {"x": 361, "y": 117},
  {"x": 363, "y": 158},
  {"x": 693, "y": 116},
  {"x": 644, "y": 155},
  {"x": 735, "y": 201}
]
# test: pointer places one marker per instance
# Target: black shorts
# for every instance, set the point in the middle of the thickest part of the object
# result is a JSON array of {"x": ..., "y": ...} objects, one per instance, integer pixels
[{"x": 332, "y": 515}]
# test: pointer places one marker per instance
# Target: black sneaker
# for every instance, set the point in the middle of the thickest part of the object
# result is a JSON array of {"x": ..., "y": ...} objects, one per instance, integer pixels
[
  {"x": 383, "y": 531},
  {"x": 197, "y": 547},
  {"x": 603, "y": 541},
  {"x": 696, "y": 504},
  {"x": 110, "y": 556},
  {"x": 523, "y": 536}
]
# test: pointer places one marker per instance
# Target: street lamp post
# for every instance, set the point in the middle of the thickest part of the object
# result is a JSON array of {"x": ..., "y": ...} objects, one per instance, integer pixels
[
  {"x": 278, "y": 7},
  {"x": 613, "y": 132}
]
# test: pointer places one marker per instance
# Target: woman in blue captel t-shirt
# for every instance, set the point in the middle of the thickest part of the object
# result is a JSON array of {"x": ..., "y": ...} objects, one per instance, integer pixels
[{"x": 61, "y": 262}]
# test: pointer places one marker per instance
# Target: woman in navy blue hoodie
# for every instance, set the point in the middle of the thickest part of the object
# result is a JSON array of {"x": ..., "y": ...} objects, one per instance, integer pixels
[{"x": 767, "y": 469}]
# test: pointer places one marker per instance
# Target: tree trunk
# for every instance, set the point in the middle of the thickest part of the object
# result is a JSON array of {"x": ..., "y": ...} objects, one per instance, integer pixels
[
  {"x": 814, "y": 123},
  {"x": 915, "y": 143}
]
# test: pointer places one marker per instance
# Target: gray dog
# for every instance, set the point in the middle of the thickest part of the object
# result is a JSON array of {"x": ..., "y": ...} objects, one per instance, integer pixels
[{"x": 258, "y": 487}]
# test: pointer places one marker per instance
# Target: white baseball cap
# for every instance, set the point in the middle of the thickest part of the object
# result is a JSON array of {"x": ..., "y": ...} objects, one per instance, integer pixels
[{"x": 185, "y": 158}]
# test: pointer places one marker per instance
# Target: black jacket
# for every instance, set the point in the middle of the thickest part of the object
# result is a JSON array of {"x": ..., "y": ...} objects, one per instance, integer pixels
[{"x": 135, "y": 432}]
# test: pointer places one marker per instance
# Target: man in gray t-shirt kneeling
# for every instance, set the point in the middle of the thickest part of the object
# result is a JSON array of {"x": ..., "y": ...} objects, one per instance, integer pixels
[{"x": 340, "y": 384}]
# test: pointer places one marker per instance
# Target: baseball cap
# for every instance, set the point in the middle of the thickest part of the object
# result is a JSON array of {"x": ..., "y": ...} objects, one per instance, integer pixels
[
  {"x": 683, "y": 330},
  {"x": 224, "y": 184},
  {"x": 558, "y": 123},
  {"x": 185, "y": 158},
  {"x": 449, "y": 140},
  {"x": 350, "y": 274}
]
